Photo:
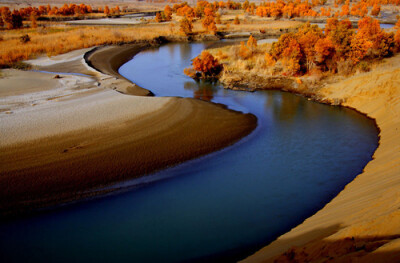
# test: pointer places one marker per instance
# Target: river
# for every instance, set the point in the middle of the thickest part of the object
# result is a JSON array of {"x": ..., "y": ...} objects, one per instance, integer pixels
[{"x": 221, "y": 207}]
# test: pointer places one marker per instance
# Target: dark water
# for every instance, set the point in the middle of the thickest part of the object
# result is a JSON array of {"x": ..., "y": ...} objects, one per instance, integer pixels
[{"x": 221, "y": 207}]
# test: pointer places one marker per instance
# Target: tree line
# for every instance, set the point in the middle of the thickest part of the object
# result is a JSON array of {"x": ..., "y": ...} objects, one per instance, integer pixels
[{"x": 14, "y": 19}]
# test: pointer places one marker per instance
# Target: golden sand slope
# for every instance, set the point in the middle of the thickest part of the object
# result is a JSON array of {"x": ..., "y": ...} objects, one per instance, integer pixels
[{"x": 363, "y": 222}]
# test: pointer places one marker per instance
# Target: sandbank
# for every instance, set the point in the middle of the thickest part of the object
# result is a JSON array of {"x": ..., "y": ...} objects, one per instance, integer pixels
[{"x": 79, "y": 133}]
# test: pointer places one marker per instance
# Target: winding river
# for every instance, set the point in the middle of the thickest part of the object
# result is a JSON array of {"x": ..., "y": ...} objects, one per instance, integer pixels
[{"x": 221, "y": 207}]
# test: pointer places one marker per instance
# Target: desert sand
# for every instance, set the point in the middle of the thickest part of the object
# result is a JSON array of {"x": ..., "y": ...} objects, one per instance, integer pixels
[
  {"x": 361, "y": 224},
  {"x": 66, "y": 138}
]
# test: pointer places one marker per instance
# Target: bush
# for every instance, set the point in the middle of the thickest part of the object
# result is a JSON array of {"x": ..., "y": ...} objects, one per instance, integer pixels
[
  {"x": 25, "y": 39},
  {"x": 363, "y": 66},
  {"x": 186, "y": 26},
  {"x": 345, "y": 67},
  {"x": 236, "y": 21},
  {"x": 206, "y": 65},
  {"x": 21, "y": 66}
]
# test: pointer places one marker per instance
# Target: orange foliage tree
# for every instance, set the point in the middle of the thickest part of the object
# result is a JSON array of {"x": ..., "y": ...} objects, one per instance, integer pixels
[
  {"x": 325, "y": 51},
  {"x": 236, "y": 21},
  {"x": 33, "y": 20},
  {"x": 186, "y": 26},
  {"x": 359, "y": 48},
  {"x": 209, "y": 22},
  {"x": 383, "y": 43},
  {"x": 244, "y": 52},
  {"x": 376, "y": 10},
  {"x": 6, "y": 17},
  {"x": 340, "y": 33},
  {"x": 168, "y": 13},
  {"x": 309, "y": 47},
  {"x": 205, "y": 66},
  {"x": 158, "y": 17},
  {"x": 252, "y": 43},
  {"x": 106, "y": 10}
]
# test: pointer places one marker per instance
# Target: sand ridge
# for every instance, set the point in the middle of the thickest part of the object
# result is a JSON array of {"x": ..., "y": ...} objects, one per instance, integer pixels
[{"x": 361, "y": 224}]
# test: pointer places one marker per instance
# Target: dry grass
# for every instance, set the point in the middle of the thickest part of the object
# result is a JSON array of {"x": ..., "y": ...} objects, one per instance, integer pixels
[
  {"x": 254, "y": 63},
  {"x": 62, "y": 39},
  {"x": 55, "y": 38},
  {"x": 256, "y": 26}
]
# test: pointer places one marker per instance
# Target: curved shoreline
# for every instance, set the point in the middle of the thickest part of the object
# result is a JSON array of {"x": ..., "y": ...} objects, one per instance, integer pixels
[
  {"x": 363, "y": 222},
  {"x": 374, "y": 223},
  {"x": 74, "y": 164},
  {"x": 328, "y": 96}
]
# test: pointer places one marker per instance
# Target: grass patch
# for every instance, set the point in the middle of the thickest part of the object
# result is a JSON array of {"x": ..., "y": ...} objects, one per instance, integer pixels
[{"x": 53, "y": 41}]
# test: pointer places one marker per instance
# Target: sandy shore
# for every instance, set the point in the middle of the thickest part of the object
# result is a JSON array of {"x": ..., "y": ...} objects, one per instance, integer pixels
[
  {"x": 67, "y": 140},
  {"x": 362, "y": 224}
]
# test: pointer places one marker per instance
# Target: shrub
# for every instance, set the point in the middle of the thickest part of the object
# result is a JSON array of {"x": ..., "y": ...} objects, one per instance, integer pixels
[
  {"x": 204, "y": 65},
  {"x": 21, "y": 65},
  {"x": 363, "y": 66},
  {"x": 236, "y": 21},
  {"x": 25, "y": 38},
  {"x": 186, "y": 26}
]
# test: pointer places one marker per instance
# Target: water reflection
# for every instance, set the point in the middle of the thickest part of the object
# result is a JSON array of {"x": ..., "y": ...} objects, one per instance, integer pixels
[
  {"x": 203, "y": 90},
  {"x": 186, "y": 52},
  {"x": 286, "y": 106},
  {"x": 171, "y": 51}
]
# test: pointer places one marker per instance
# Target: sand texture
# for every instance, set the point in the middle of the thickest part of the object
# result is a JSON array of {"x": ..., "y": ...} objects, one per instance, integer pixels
[
  {"x": 76, "y": 135},
  {"x": 108, "y": 59},
  {"x": 362, "y": 224}
]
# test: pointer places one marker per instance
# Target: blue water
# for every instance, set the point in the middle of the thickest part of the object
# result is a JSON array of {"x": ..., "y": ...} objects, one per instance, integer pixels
[
  {"x": 386, "y": 26},
  {"x": 383, "y": 26},
  {"x": 221, "y": 207}
]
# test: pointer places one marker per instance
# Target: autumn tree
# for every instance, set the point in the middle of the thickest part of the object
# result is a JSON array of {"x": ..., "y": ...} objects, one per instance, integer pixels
[
  {"x": 397, "y": 40},
  {"x": 7, "y": 17},
  {"x": 398, "y": 24},
  {"x": 209, "y": 22},
  {"x": 106, "y": 10},
  {"x": 117, "y": 10},
  {"x": 186, "y": 26},
  {"x": 218, "y": 18},
  {"x": 236, "y": 21},
  {"x": 345, "y": 10},
  {"x": 383, "y": 43},
  {"x": 359, "y": 48},
  {"x": 376, "y": 10},
  {"x": 33, "y": 20},
  {"x": 206, "y": 65},
  {"x": 340, "y": 33},
  {"x": 168, "y": 13},
  {"x": 158, "y": 17},
  {"x": 269, "y": 60},
  {"x": 252, "y": 44},
  {"x": 324, "y": 52},
  {"x": 307, "y": 36},
  {"x": 244, "y": 51},
  {"x": 246, "y": 5}
]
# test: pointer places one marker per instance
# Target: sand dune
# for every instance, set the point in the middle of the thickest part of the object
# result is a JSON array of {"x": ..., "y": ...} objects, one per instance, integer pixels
[{"x": 362, "y": 224}]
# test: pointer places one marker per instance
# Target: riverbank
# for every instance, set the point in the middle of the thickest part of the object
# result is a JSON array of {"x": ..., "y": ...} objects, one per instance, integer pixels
[
  {"x": 363, "y": 222},
  {"x": 65, "y": 142}
]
